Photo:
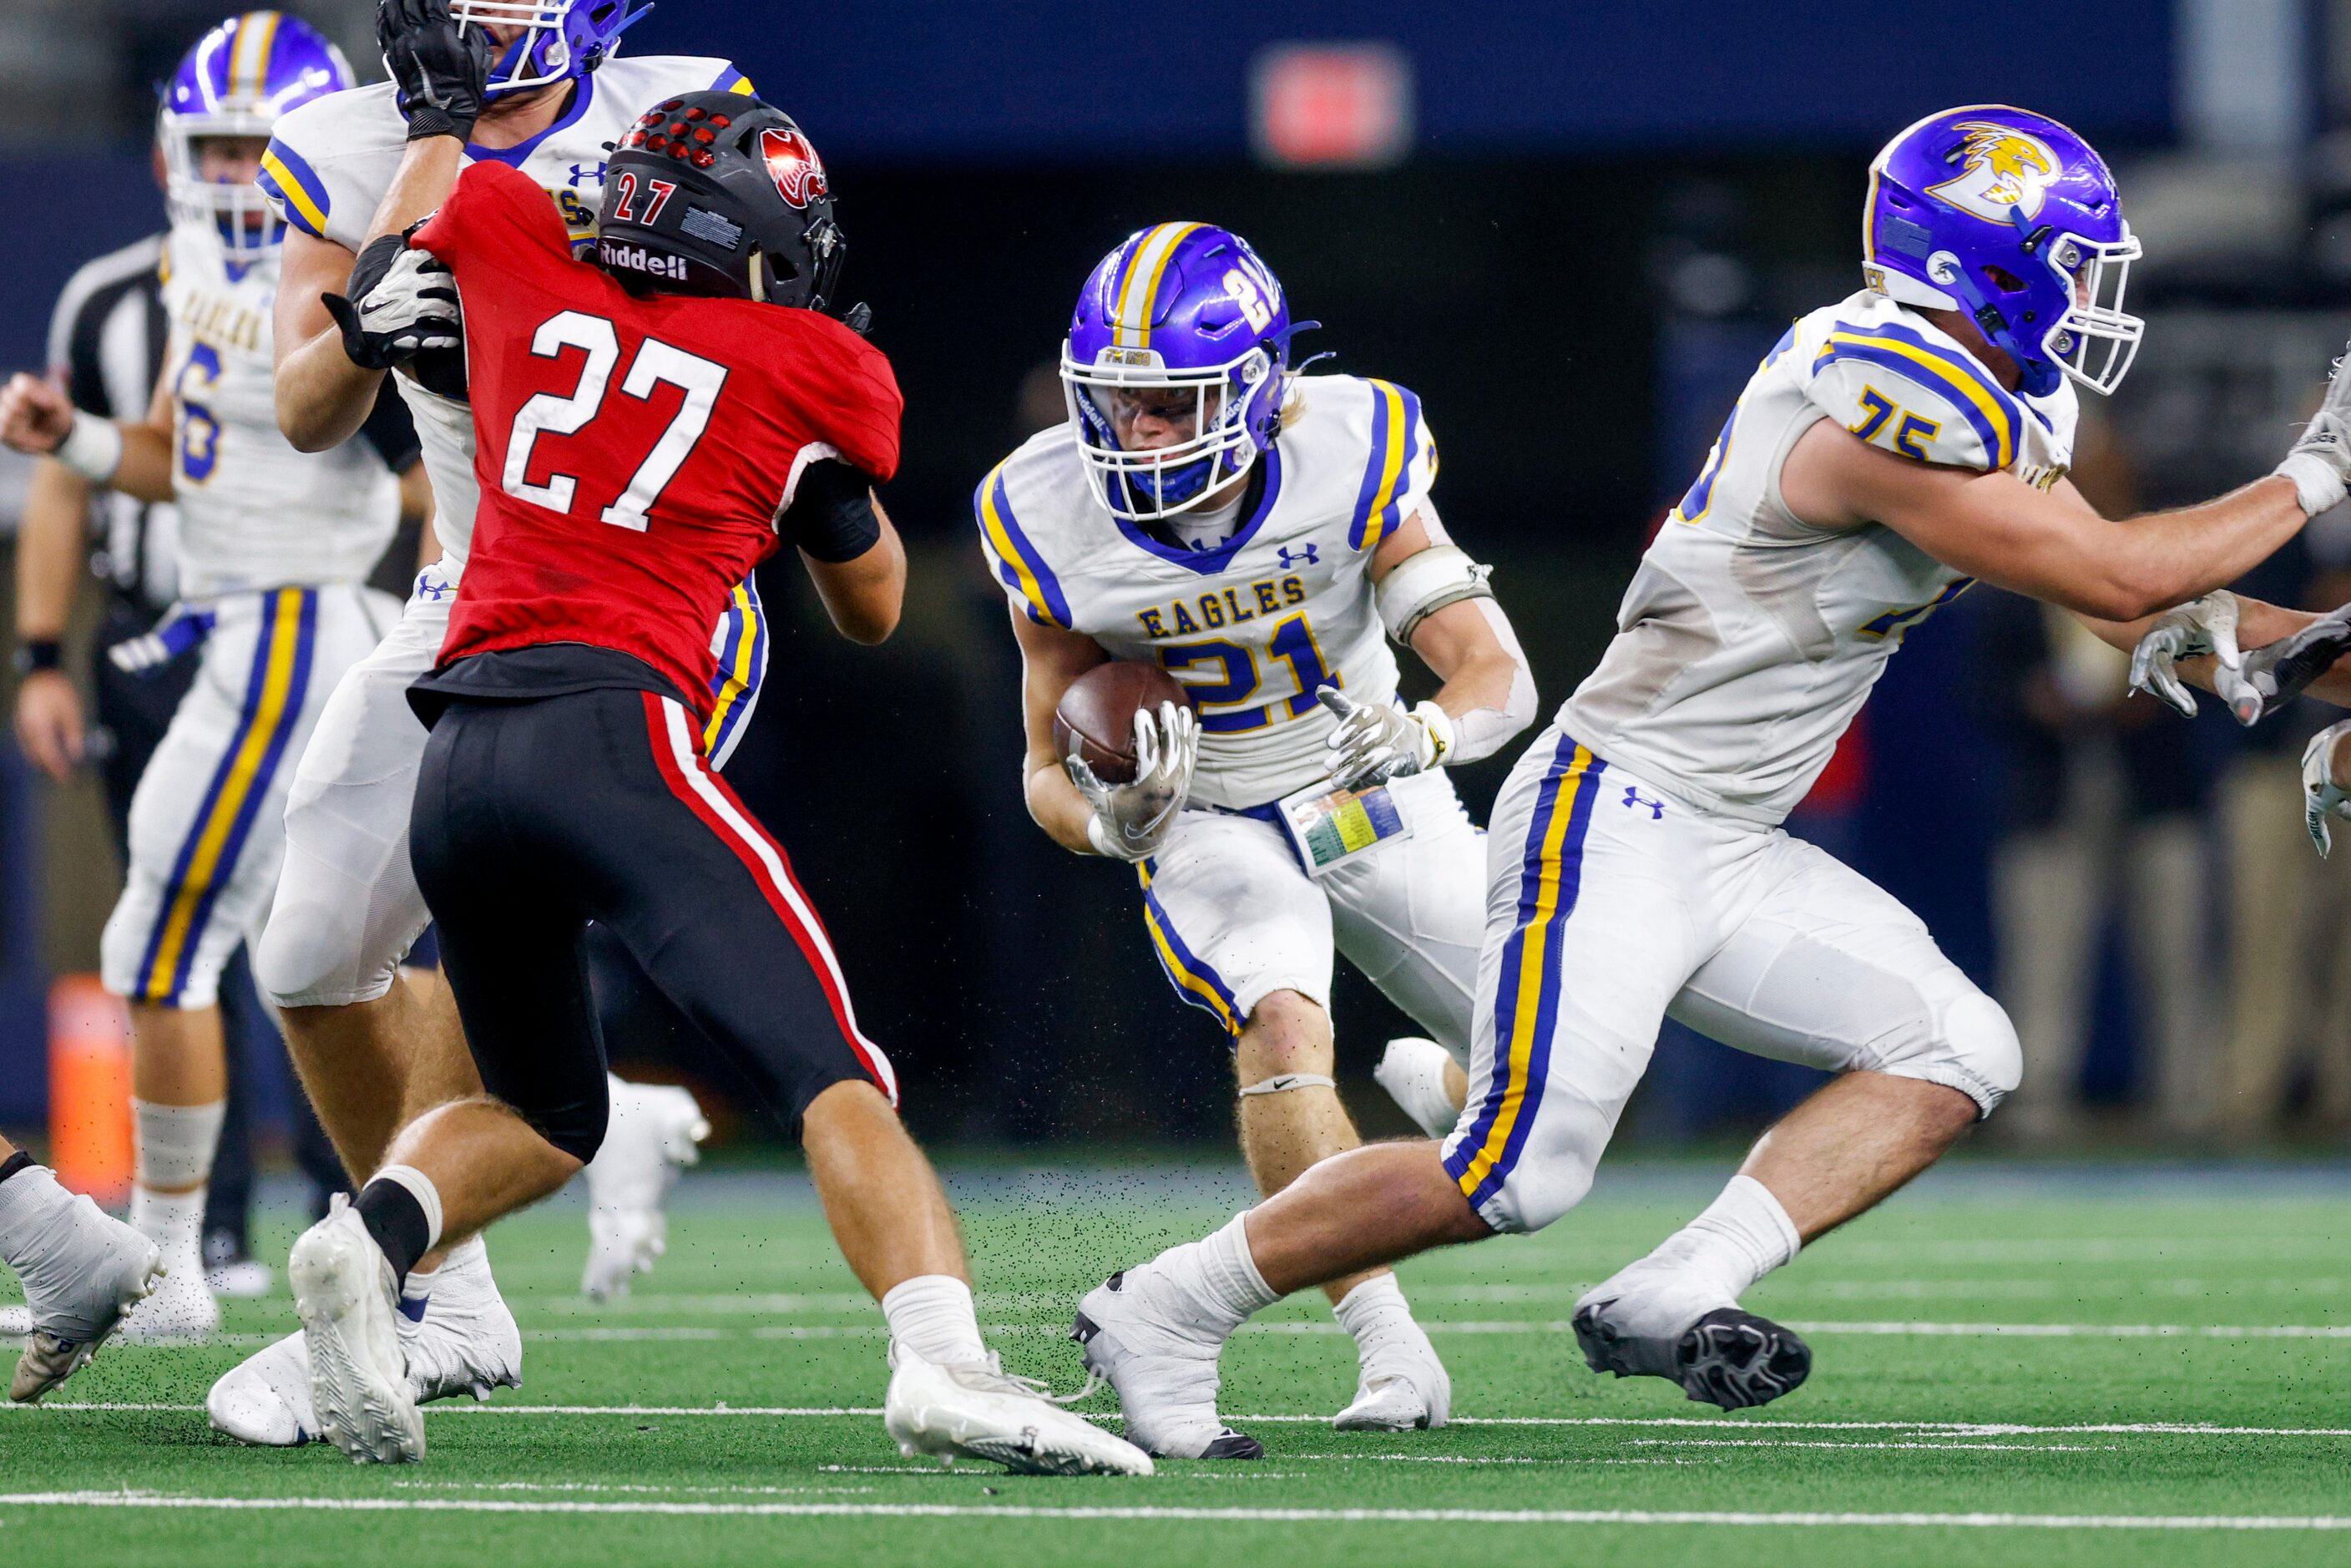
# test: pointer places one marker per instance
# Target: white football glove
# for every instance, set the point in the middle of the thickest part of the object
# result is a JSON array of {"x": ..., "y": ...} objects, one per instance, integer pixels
[
  {"x": 2321, "y": 799},
  {"x": 1131, "y": 821},
  {"x": 2202, "y": 626},
  {"x": 401, "y": 303},
  {"x": 2320, "y": 462},
  {"x": 1373, "y": 745}
]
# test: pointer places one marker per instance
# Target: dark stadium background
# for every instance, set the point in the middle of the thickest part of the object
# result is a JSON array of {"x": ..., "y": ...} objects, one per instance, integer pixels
[{"x": 1594, "y": 230}]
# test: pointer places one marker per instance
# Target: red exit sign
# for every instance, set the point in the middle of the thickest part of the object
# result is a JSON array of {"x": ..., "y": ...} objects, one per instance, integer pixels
[{"x": 1332, "y": 106}]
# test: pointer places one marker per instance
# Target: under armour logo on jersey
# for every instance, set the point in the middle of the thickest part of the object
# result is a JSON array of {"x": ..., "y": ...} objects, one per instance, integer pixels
[
  {"x": 579, "y": 172},
  {"x": 1296, "y": 558},
  {"x": 1634, "y": 797},
  {"x": 430, "y": 587}
]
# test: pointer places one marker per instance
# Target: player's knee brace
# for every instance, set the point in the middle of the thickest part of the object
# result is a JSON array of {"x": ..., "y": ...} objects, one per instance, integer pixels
[{"x": 1971, "y": 1048}]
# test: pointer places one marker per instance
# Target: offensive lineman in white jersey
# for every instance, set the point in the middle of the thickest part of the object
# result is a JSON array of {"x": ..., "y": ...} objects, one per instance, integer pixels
[
  {"x": 276, "y": 545},
  {"x": 1890, "y": 449},
  {"x": 1261, "y": 535},
  {"x": 542, "y": 90}
]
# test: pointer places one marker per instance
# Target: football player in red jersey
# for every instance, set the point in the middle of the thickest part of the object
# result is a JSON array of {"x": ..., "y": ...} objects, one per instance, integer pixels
[{"x": 650, "y": 427}]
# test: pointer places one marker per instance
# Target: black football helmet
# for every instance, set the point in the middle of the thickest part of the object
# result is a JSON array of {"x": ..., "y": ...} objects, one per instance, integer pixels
[{"x": 718, "y": 193}]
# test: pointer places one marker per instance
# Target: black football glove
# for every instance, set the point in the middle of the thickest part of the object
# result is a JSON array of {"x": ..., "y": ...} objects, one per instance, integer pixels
[
  {"x": 443, "y": 70},
  {"x": 2278, "y": 672},
  {"x": 403, "y": 302}
]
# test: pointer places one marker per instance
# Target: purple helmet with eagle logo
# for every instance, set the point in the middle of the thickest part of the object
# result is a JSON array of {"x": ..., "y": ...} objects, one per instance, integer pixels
[
  {"x": 236, "y": 82},
  {"x": 558, "y": 40},
  {"x": 2013, "y": 218},
  {"x": 1182, "y": 312}
]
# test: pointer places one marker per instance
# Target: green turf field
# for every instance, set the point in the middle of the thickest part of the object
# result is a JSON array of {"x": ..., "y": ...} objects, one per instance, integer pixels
[{"x": 2013, "y": 1364}]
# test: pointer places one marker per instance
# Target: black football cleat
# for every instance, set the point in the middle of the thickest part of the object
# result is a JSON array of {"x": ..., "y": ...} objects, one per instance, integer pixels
[{"x": 1729, "y": 1358}]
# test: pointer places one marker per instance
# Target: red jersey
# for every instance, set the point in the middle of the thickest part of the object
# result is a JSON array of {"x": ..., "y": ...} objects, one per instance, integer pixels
[{"x": 633, "y": 455}]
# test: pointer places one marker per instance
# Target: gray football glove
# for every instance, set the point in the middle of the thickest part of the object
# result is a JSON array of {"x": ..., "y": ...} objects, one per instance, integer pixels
[
  {"x": 2278, "y": 672},
  {"x": 1131, "y": 821},
  {"x": 2320, "y": 463},
  {"x": 2202, "y": 626},
  {"x": 2321, "y": 799},
  {"x": 401, "y": 303},
  {"x": 1375, "y": 744}
]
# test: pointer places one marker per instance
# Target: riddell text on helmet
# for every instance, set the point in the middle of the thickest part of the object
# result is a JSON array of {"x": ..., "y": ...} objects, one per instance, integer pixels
[{"x": 637, "y": 258}]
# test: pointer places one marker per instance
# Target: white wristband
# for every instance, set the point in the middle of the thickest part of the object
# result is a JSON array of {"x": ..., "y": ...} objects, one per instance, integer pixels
[
  {"x": 2316, "y": 483},
  {"x": 92, "y": 448},
  {"x": 1439, "y": 725}
]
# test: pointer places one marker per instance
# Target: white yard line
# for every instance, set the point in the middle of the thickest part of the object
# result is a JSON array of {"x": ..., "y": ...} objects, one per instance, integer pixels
[
  {"x": 1717, "y": 1423},
  {"x": 1188, "y": 1515}
]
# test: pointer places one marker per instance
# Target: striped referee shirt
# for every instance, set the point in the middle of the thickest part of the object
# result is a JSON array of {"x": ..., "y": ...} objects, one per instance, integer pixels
[{"x": 107, "y": 337}]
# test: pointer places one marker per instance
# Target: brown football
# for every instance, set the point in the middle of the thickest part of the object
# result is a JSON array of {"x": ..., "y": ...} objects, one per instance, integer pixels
[{"x": 1096, "y": 718}]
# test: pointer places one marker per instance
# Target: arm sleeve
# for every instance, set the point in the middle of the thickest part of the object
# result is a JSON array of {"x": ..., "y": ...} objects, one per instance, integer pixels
[
  {"x": 390, "y": 430},
  {"x": 1399, "y": 466},
  {"x": 1905, "y": 395},
  {"x": 301, "y": 197},
  {"x": 860, "y": 415}
]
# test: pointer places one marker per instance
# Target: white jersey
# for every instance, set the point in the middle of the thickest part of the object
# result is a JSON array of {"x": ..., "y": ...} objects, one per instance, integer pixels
[
  {"x": 1749, "y": 639},
  {"x": 254, "y": 512},
  {"x": 1255, "y": 625},
  {"x": 331, "y": 162}
]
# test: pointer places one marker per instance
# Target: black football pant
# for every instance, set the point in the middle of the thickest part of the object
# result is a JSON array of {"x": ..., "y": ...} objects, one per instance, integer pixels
[{"x": 534, "y": 818}]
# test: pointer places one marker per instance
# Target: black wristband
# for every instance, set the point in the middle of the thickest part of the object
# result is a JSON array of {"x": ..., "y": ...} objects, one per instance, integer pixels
[
  {"x": 831, "y": 516},
  {"x": 39, "y": 653},
  {"x": 19, "y": 1161},
  {"x": 424, "y": 121}
]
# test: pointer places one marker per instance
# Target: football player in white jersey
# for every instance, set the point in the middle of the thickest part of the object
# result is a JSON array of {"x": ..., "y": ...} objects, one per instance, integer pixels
[
  {"x": 1261, "y": 534},
  {"x": 1890, "y": 449},
  {"x": 539, "y": 87},
  {"x": 275, "y": 546}
]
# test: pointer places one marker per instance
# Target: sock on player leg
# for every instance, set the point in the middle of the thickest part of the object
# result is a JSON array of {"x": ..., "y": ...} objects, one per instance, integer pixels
[
  {"x": 1743, "y": 1236},
  {"x": 930, "y": 1315},
  {"x": 1372, "y": 1311},
  {"x": 401, "y": 1209},
  {"x": 1218, "y": 1276},
  {"x": 175, "y": 1161},
  {"x": 31, "y": 1199}
]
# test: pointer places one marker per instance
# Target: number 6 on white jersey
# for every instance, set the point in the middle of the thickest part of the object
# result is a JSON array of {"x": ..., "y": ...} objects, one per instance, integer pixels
[{"x": 656, "y": 362}]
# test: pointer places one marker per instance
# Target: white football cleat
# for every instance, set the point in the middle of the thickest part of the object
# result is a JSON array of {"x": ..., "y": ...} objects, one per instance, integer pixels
[
  {"x": 344, "y": 1292},
  {"x": 81, "y": 1268},
  {"x": 978, "y": 1411},
  {"x": 1402, "y": 1384},
  {"x": 466, "y": 1343},
  {"x": 1413, "y": 1072},
  {"x": 651, "y": 1135},
  {"x": 1166, "y": 1378},
  {"x": 181, "y": 1310},
  {"x": 1654, "y": 1320}
]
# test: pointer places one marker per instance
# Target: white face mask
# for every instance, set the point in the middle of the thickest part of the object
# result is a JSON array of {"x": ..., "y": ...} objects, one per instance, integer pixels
[{"x": 1137, "y": 485}]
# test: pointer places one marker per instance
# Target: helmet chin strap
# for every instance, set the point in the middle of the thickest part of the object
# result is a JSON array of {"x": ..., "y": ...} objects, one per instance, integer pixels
[{"x": 758, "y": 275}]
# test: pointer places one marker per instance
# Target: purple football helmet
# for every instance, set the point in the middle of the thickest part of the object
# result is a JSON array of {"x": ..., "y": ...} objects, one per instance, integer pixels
[
  {"x": 560, "y": 40},
  {"x": 2013, "y": 219},
  {"x": 237, "y": 81},
  {"x": 1178, "y": 310}
]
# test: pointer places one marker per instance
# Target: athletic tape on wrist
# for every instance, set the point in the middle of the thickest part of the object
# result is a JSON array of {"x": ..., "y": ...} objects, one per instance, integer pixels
[
  {"x": 2317, "y": 484},
  {"x": 1282, "y": 1082},
  {"x": 92, "y": 448}
]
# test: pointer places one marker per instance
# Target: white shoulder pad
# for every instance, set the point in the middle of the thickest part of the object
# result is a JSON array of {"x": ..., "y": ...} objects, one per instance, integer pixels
[
  {"x": 1902, "y": 390},
  {"x": 1011, "y": 549},
  {"x": 1399, "y": 460},
  {"x": 331, "y": 162}
]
